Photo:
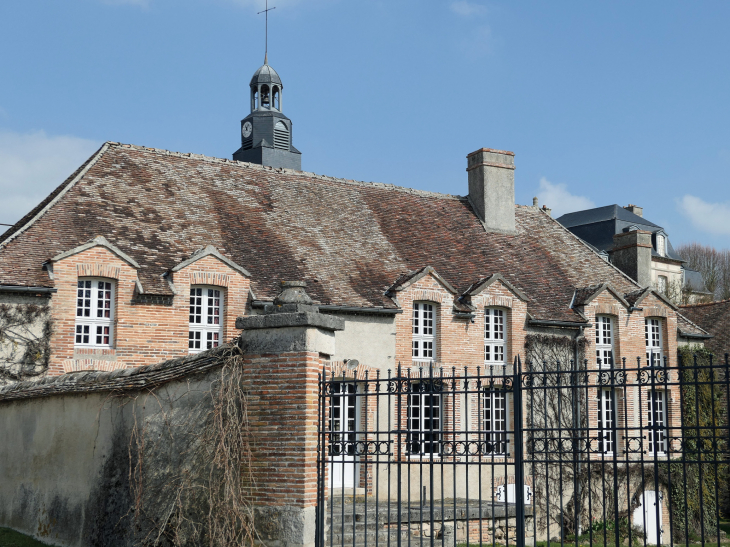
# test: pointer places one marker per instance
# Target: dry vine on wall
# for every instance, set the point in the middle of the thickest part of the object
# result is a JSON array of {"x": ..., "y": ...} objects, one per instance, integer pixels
[
  {"x": 551, "y": 410},
  {"x": 190, "y": 469},
  {"x": 25, "y": 341},
  {"x": 571, "y": 497}
]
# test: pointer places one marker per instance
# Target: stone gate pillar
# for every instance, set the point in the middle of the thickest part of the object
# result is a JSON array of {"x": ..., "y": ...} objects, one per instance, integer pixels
[{"x": 284, "y": 350}]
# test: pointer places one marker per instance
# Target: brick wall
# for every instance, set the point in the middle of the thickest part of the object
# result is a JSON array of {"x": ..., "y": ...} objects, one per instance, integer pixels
[
  {"x": 144, "y": 333},
  {"x": 632, "y": 402},
  {"x": 282, "y": 403}
]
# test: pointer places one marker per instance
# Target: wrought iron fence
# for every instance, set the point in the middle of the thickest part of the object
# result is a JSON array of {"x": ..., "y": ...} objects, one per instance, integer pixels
[{"x": 570, "y": 453}]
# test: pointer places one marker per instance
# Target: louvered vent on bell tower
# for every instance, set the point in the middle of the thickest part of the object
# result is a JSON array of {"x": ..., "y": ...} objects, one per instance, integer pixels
[{"x": 281, "y": 136}]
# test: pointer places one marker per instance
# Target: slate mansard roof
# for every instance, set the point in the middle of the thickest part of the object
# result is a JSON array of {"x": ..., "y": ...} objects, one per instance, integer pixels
[
  {"x": 607, "y": 212},
  {"x": 351, "y": 241},
  {"x": 598, "y": 226}
]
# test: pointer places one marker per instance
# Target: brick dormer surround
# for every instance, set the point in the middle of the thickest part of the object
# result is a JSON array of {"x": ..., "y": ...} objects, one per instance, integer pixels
[
  {"x": 629, "y": 324},
  {"x": 460, "y": 340},
  {"x": 147, "y": 328}
]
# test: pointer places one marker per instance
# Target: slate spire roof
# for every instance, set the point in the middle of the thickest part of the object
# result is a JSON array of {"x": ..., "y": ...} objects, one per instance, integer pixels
[
  {"x": 265, "y": 75},
  {"x": 351, "y": 241}
]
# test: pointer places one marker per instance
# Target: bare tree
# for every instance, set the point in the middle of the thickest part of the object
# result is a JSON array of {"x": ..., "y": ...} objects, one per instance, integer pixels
[{"x": 713, "y": 265}]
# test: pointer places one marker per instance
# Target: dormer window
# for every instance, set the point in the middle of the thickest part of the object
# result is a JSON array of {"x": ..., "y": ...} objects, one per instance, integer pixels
[
  {"x": 94, "y": 313},
  {"x": 604, "y": 341},
  {"x": 424, "y": 335},
  {"x": 494, "y": 336},
  {"x": 661, "y": 244},
  {"x": 654, "y": 346},
  {"x": 206, "y": 319}
]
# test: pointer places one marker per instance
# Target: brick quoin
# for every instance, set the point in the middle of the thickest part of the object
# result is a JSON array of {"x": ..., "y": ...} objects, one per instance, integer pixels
[{"x": 282, "y": 396}]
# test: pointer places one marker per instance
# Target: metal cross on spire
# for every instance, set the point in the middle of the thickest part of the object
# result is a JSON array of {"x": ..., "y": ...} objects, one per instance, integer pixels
[{"x": 266, "y": 11}]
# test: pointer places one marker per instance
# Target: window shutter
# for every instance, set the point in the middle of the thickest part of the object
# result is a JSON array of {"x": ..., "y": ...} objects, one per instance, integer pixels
[{"x": 281, "y": 136}]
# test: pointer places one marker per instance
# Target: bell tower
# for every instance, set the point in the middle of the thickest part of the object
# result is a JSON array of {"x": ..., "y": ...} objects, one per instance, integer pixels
[{"x": 266, "y": 133}]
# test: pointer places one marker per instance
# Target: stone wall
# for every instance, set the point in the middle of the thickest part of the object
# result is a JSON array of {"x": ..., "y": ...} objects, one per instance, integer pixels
[{"x": 65, "y": 455}]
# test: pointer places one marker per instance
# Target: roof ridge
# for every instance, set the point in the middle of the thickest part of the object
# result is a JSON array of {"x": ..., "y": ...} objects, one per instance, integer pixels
[
  {"x": 590, "y": 248},
  {"x": 725, "y": 301},
  {"x": 307, "y": 174},
  {"x": 693, "y": 323}
]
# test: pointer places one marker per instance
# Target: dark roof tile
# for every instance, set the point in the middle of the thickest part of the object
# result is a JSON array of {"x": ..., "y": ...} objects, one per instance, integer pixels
[{"x": 349, "y": 240}]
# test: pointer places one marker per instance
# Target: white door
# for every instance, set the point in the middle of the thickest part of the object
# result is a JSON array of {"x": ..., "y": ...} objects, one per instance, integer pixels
[
  {"x": 343, "y": 420},
  {"x": 645, "y": 516}
]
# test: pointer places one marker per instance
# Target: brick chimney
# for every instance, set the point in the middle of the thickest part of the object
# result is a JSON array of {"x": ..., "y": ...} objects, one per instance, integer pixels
[
  {"x": 638, "y": 211},
  {"x": 492, "y": 188},
  {"x": 632, "y": 255}
]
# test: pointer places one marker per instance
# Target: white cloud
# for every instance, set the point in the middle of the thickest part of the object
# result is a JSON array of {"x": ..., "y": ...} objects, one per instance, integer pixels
[
  {"x": 463, "y": 7},
  {"x": 32, "y": 165},
  {"x": 557, "y": 198},
  {"x": 708, "y": 217}
]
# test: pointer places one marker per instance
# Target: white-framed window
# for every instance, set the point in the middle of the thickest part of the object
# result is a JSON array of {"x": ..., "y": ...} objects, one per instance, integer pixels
[
  {"x": 495, "y": 336},
  {"x": 657, "y": 421},
  {"x": 94, "y": 313},
  {"x": 495, "y": 417},
  {"x": 653, "y": 334},
  {"x": 424, "y": 419},
  {"x": 661, "y": 284},
  {"x": 661, "y": 245},
  {"x": 604, "y": 341},
  {"x": 424, "y": 331},
  {"x": 206, "y": 318},
  {"x": 606, "y": 420},
  {"x": 343, "y": 416}
]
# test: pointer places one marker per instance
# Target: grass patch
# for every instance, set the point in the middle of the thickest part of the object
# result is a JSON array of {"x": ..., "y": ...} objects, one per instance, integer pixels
[
  {"x": 11, "y": 538},
  {"x": 725, "y": 526}
]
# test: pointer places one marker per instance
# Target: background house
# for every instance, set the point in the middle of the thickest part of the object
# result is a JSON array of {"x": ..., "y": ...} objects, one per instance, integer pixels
[{"x": 638, "y": 247}]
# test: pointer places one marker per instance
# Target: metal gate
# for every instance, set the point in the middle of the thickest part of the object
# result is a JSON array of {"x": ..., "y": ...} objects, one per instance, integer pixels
[{"x": 571, "y": 453}]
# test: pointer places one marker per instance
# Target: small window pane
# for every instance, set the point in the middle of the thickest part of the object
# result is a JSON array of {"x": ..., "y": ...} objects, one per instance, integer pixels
[
  {"x": 94, "y": 312},
  {"x": 423, "y": 328},
  {"x": 206, "y": 318}
]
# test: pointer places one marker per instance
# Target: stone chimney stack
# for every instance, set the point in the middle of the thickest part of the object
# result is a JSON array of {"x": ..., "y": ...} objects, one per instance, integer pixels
[
  {"x": 638, "y": 211},
  {"x": 492, "y": 188},
  {"x": 632, "y": 255}
]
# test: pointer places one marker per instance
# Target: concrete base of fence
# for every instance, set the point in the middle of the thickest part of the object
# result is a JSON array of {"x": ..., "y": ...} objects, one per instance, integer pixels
[
  {"x": 480, "y": 523},
  {"x": 285, "y": 526}
]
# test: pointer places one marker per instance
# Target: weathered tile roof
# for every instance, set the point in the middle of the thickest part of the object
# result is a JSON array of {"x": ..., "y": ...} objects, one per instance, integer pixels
[
  {"x": 714, "y": 317},
  {"x": 349, "y": 240}
]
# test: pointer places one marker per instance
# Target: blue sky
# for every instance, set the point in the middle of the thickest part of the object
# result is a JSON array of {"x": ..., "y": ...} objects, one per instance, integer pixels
[{"x": 602, "y": 102}]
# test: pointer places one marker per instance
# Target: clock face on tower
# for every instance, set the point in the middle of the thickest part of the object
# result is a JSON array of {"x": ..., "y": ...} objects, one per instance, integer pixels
[{"x": 246, "y": 130}]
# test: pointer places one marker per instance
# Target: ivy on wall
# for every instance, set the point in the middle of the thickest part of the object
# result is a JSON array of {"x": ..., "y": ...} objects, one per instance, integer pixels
[{"x": 700, "y": 492}]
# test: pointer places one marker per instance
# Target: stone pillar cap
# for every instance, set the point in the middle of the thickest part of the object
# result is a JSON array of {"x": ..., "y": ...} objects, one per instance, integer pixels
[{"x": 292, "y": 293}]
